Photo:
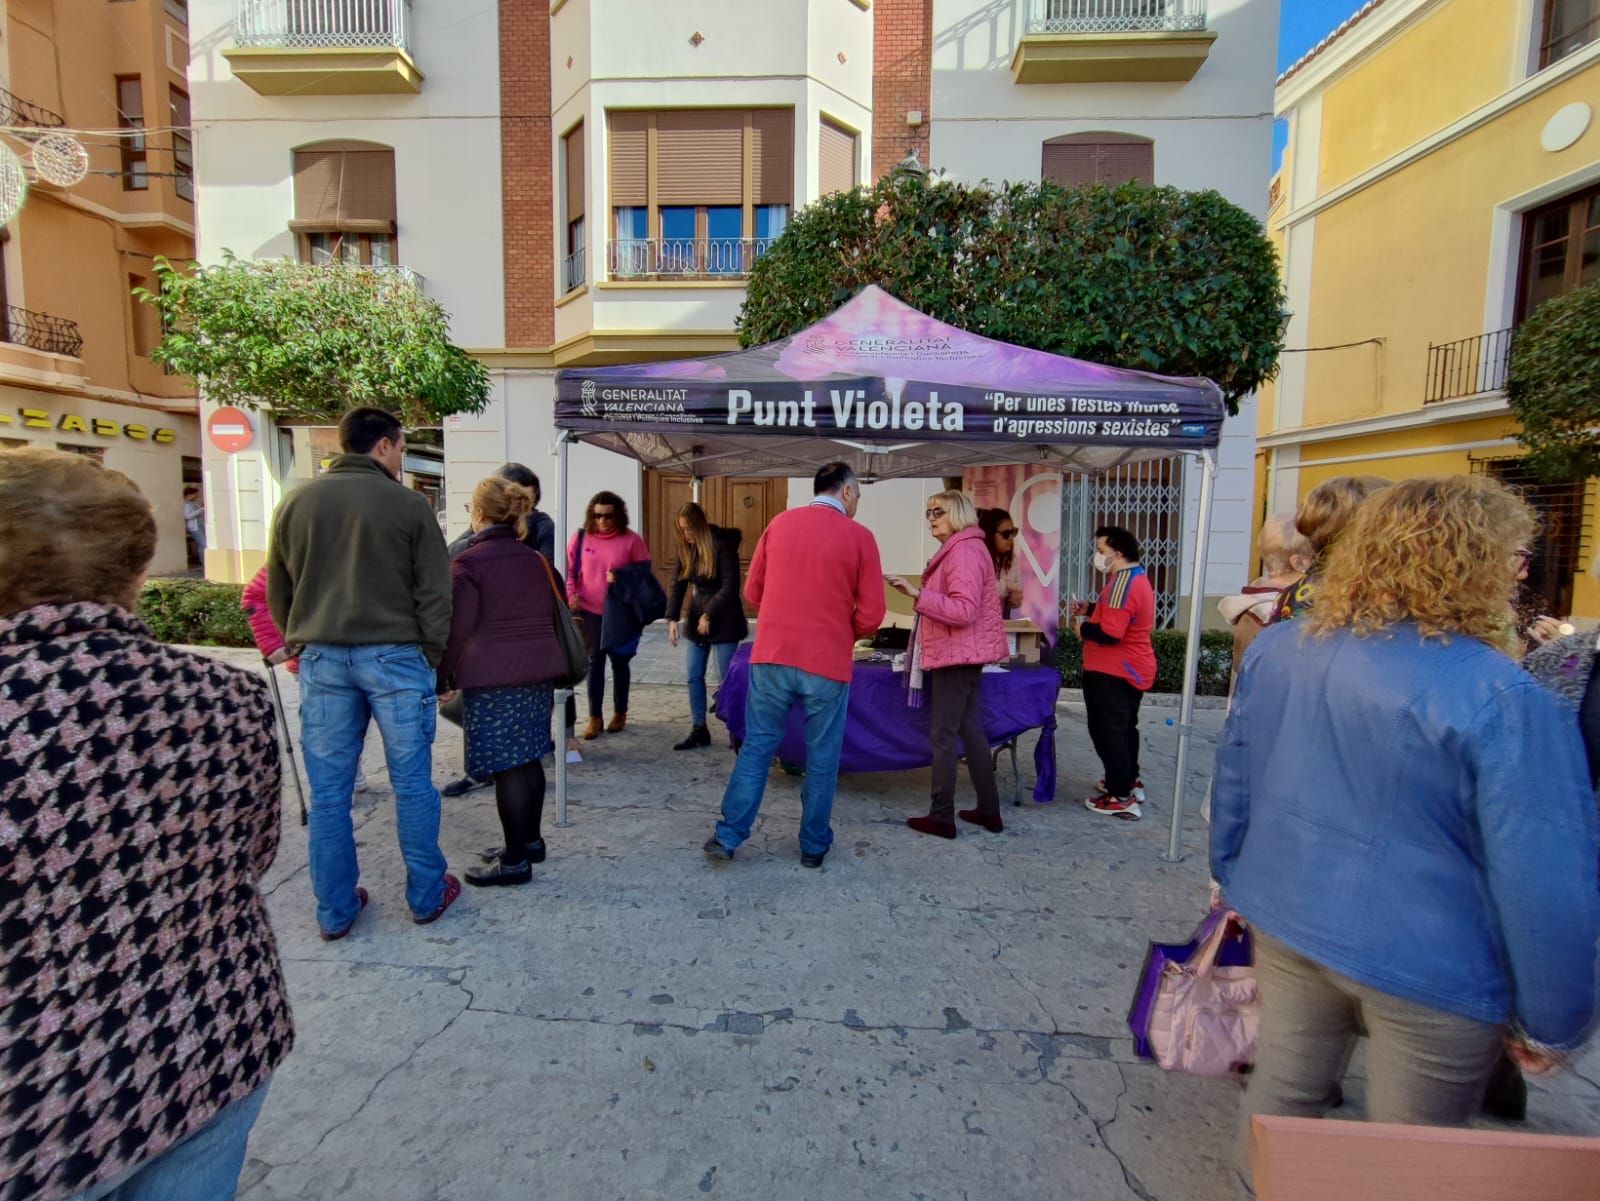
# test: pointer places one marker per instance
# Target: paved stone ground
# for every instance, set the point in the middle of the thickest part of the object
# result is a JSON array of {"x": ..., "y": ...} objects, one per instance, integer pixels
[{"x": 922, "y": 1020}]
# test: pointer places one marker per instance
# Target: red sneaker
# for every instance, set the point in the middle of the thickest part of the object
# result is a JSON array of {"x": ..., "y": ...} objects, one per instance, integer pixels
[
  {"x": 1137, "y": 793},
  {"x": 1124, "y": 807},
  {"x": 452, "y": 890}
]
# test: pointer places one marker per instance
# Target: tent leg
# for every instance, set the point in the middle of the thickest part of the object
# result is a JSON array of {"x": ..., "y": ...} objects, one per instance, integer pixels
[
  {"x": 559, "y": 707},
  {"x": 694, "y": 489},
  {"x": 1191, "y": 651}
]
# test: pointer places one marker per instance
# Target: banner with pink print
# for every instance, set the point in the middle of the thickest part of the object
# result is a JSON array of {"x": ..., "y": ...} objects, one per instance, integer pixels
[{"x": 1031, "y": 494}]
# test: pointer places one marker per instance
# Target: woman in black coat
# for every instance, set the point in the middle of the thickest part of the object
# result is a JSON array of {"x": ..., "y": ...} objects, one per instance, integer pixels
[
  {"x": 504, "y": 654},
  {"x": 705, "y": 607}
]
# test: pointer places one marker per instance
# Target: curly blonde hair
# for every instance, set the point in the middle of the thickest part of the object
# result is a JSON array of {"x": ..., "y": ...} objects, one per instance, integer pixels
[
  {"x": 1437, "y": 552},
  {"x": 501, "y": 502}
]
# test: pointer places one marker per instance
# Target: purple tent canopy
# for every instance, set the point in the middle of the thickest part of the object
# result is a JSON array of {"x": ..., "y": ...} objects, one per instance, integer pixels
[{"x": 892, "y": 392}]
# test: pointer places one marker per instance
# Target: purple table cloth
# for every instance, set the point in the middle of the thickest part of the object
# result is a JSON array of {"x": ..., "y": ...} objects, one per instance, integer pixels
[{"x": 883, "y": 733}]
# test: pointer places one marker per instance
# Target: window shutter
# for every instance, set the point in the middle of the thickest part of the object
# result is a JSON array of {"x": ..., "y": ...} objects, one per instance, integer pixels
[
  {"x": 1080, "y": 159},
  {"x": 1071, "y": 166},
  {"x": 700, "y": 157},
  {"x": 837, "y": 157},
  {"x": 773, "y": 154},
  {"x": 1125, "y": 162},
  {"x": 344, "y": 187},
  {"x": 316, "y": 186},
  {"x": 630, "y": 149},
  {"x": 366, "y": 193},
  {"x": 573, "y": 144}
]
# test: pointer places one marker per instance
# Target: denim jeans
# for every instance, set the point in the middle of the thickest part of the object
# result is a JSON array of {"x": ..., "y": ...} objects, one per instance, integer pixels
[
  {"x": 340, "y": 688},
  {"x": 774, "y": 689},
  {"x": 204, "y": 1167},
  {"x": 699, "y": 654}
]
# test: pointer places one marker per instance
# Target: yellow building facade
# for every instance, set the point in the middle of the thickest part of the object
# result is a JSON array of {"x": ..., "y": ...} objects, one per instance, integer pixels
[{"x": 1442, "y": 179}]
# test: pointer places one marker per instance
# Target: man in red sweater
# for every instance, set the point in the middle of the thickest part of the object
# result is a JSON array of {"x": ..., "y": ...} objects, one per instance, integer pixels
[
  {"x": 1119, "y": 666},
  {"x": 817, "y": 584}
]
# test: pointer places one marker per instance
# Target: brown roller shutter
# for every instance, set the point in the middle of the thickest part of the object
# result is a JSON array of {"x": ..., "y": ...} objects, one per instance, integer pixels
[
  {"x": 1125, "y": 161},
  {"x": 773, "y": 154},
  {"x": 1080, "y": 159},
  {"x": 837, "y": 172},
  {"x": 630, "y": 156},
  {"x": 341, "y": 188},
  {"x": 700, "y": 157},
  {"x": 573, "y": 144},
  {"x": 367, "y": 191},
  {"x": 316, "y": 185}
]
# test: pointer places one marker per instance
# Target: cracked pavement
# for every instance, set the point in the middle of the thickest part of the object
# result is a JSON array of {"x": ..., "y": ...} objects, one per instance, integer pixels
[{"x": 918, "y": 1019}]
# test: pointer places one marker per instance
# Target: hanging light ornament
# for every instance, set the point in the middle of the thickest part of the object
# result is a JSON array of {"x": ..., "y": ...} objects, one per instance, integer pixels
[
  {"x": 13, "y": 184},
  {"x": 61, "y": 159}
]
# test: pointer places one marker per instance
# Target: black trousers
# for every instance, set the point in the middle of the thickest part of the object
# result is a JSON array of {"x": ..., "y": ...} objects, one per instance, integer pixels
[
  {"x": 957, "y": 709},
  {"x": 621, "y": 669},
  {"x": 1113, "y": 708}
]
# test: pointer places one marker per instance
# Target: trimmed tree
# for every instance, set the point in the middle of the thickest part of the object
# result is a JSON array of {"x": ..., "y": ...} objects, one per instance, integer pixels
[
  {"x": 1156, "y": 279},
  {"x": 1554, "y": 386},
  {"x": 311, "y": 341}
]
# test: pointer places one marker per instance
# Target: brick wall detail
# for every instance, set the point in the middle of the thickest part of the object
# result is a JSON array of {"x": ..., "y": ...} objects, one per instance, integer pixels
[
  {"x": 902, "y": 80},
  {"x": 526, "y": 168}
]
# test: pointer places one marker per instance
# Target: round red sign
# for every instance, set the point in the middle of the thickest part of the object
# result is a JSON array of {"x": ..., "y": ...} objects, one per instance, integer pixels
[{"x": 230, "y": 430}]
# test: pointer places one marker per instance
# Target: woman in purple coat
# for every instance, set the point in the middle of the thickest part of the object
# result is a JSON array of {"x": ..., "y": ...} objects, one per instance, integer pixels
[{"x": 504, "y": 654}]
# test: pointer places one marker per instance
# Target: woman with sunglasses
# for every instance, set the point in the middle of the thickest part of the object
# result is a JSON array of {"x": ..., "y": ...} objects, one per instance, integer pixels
[
  {"x": 958, "y": 630},
  {"x": 1000, "y": 532},
  {"x": 602, "y": 547}
]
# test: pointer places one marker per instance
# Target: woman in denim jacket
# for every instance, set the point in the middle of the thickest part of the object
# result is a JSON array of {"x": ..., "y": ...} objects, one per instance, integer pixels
[{"x": 1405, "y": 818}]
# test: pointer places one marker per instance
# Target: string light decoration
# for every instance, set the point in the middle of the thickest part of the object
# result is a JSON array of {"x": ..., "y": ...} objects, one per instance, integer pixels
[
  {"x": 13, "y": 184},
  {"x": 60, "y": 159}
]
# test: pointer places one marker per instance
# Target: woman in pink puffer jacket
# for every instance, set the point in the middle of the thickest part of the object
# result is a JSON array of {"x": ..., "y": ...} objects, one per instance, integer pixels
[{"x": 959, "y": 629}]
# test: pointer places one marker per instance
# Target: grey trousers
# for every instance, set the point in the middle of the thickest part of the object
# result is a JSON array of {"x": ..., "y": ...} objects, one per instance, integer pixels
[{"x": 1425, "y": 1067}]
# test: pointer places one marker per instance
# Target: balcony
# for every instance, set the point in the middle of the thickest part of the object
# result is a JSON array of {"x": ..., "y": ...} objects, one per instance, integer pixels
[
  {"x": 1112, "y": 41},
  {"x": 573, "y": 271},
  {"x": 684, "y": 258},
  {"x": 1468, "y": 367},
  {"x": 40, "y": 331},
  {"x": 324, "y": 47},
  {"x": 15, "y": 112}
]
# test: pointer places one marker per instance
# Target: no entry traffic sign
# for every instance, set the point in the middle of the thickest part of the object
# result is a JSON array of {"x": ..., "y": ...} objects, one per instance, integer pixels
[{"x": 230, "y": 430}]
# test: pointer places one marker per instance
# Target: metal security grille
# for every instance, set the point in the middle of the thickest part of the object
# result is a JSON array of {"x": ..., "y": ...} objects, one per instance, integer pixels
[
  {"x": 1146, "y": 499},
  {"x": 1564, "y": 541}
]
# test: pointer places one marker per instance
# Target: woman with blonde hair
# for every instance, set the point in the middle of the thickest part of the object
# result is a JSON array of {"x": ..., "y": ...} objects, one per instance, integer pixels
[
  {"x": 1286, "y": 557},
  {"x": 705, "y": 604},
  {"x": 1404, "y": 816},
  {"x": 1323, "y": 516},
  {"x": 958, "y": 630},
  {"x": 503, "y": 654},
  {"x": 144, "y": 1006}
]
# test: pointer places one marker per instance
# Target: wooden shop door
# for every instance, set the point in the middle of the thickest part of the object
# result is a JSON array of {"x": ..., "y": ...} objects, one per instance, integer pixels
[{"x": 736, "y": 502}]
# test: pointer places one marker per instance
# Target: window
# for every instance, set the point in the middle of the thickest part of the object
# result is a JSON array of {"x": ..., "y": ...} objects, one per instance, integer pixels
[
  {"x": 178, "y": 9},
  {"x": 837, "y": 172},
  {"x": 130, "y": 116},
  {"x": 572, "y": 166},
  {"x": 1569, "y": 26},
  {"x": 182, "y": 146},
  {"x": 698, "y": 193},
  {"x": 1560, "y": 250},
  {"x": 1080, "y": 159},
  {"x": 344, "y": 204},
  {"x": 146, "y": 318}
]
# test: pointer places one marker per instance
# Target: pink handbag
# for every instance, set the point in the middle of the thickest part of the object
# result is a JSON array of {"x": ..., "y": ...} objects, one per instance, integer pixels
[{"x": 1204, "y": 1016}]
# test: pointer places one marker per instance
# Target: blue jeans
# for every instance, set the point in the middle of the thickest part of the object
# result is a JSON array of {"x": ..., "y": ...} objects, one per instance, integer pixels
[
  {"x": 699, "y": 654},
  {"x": 204, "y": 1167},
  {"x": 340, "y": 688},
  {"x": 774, "y": 689}
]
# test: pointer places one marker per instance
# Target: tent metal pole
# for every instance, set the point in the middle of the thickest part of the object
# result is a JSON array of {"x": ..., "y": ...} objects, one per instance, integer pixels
[
  {"x": 1191, "y": 651},
  {"x": 694, "y": 489},
  {"x": 559, "y": 707}
]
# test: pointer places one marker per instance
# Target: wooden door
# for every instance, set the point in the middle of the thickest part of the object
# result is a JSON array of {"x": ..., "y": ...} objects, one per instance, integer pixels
[{"x": 743, "y": 503}]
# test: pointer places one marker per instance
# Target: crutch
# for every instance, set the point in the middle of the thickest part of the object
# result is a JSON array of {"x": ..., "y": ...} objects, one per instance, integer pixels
[{"x": 288, "y": 740}]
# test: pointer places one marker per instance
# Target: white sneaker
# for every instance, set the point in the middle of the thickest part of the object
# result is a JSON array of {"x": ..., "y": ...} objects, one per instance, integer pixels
[{"x": 573, "y": 756}]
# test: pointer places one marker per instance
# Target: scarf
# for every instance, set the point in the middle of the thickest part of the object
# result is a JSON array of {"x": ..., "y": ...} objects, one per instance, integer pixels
[{"x": 914, "y": 666}]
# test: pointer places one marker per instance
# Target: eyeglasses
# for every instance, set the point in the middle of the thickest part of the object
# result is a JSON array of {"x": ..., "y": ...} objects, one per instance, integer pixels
[
  {"x": 605, "y": 515},
  {"x": 1523, "y": 553},
  {"x": 1005, "y": 533},
  {"x": 930, "y": 514}
]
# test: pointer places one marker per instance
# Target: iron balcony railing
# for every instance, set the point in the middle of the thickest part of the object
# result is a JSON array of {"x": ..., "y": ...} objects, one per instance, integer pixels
[
  {"x": 1469, "y": 366},
  {"x": 573, "y": 271},
  {"x": 315, "y": 23},
  {"x": 1115, "y": 16},
  {"x": 40, "y": 331},
  {"x": 691, "y": 257},
  {"x": 15, "y": 112}
]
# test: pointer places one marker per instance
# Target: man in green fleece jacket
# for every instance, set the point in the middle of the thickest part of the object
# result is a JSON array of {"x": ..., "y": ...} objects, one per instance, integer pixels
[{"x": 358, "y": 579}]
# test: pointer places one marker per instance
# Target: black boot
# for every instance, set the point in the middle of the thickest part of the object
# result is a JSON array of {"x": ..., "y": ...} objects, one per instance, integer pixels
[
  {"x": 499, "y": 874},
  {"x": 698, "y": 737},
  {"x": 536, "y": 852}
]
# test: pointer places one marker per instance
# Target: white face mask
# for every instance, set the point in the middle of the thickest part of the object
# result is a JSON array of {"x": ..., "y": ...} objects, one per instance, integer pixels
[{"x": 1101, "y": 563}]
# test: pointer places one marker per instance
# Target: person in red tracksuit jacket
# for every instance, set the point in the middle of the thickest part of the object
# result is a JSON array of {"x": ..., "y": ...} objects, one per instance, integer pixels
[{"x": 1119, "y": 666}]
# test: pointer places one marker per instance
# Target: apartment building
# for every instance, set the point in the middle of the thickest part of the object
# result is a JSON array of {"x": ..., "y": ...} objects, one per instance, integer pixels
[
  {"x": 1442, "y": 180},
  {"x": 75, "y": 371},
  {"x": 604, "y": 197}
]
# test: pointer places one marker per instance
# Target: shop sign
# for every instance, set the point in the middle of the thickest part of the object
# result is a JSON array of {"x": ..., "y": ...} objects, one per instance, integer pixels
[{"x": 71, "y": 423}]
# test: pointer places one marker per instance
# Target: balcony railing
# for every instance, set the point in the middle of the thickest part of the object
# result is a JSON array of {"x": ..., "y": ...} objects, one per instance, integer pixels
[
  {"x": 295, "y": 24},
  {"x": 40, "y": 331},
  {"x": 1115, "y": 16},
  {"x": 15, "y": 111},
  {"x": 1469, "y": 366},
  {"x": 573, "y": 271},
  {"x": 692, "y": 258}
]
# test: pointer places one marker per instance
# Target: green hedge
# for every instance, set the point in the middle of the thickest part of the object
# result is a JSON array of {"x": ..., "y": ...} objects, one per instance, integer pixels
[
  {"x": 195, "y": 612},
  {"x": 1216, "y": 661}
]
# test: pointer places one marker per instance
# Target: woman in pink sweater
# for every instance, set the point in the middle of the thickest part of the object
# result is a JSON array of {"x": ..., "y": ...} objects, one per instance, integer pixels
[
  {"x": 958, "y": 630},
  {"x": 595, "y": 553}
]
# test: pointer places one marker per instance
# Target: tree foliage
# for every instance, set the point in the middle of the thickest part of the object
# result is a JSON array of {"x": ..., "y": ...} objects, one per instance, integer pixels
[
  {"x": 311, "y": 341},
  {"x": 1554, "y": 386},
  {"x": 1156, "y": 279}
]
